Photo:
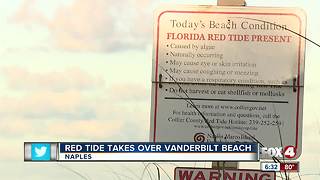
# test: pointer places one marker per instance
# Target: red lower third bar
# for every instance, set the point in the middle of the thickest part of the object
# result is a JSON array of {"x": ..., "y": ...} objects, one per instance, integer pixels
[{"x": 290, "y": 167}]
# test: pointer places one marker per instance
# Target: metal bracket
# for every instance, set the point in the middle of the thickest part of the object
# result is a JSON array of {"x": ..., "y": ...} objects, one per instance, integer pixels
[
  {"x": 294, "y": 84},
  {"x": 160, "y": 81}
]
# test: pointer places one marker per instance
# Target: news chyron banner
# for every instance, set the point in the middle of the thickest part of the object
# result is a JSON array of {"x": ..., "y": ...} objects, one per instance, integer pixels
[
  {"x": 139, "y": 151},
  {"x": 238, "y": 69}
]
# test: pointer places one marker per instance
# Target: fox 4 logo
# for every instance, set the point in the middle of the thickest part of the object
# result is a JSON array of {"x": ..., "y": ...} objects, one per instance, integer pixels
[{"x": 278, "y": 152}]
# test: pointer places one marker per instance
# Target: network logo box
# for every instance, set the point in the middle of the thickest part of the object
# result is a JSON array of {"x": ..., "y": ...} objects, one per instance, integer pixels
[{"x": 36, "y": 151}]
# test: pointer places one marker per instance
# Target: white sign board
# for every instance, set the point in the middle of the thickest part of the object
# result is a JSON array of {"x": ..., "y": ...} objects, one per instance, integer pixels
[
  {"x": 242, "y": 67},
  {"x": 214, "y": 174}
]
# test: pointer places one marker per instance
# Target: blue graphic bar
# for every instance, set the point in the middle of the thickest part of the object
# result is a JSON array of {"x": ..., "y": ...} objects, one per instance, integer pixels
[{"x": 120, "y": 147}]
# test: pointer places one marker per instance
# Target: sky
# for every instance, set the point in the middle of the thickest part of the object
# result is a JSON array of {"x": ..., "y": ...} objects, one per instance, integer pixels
[{"x": 80, "y": 70}]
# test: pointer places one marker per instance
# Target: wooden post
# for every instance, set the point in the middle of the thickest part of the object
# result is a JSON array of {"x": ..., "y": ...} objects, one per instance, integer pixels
[
  {"x": 223, "y": 164},
  {"x": 231, "y": 3}
]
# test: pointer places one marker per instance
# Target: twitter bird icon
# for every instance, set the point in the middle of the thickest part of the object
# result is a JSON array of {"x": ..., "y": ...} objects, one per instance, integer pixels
[{"x": 40, "y": 152}]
